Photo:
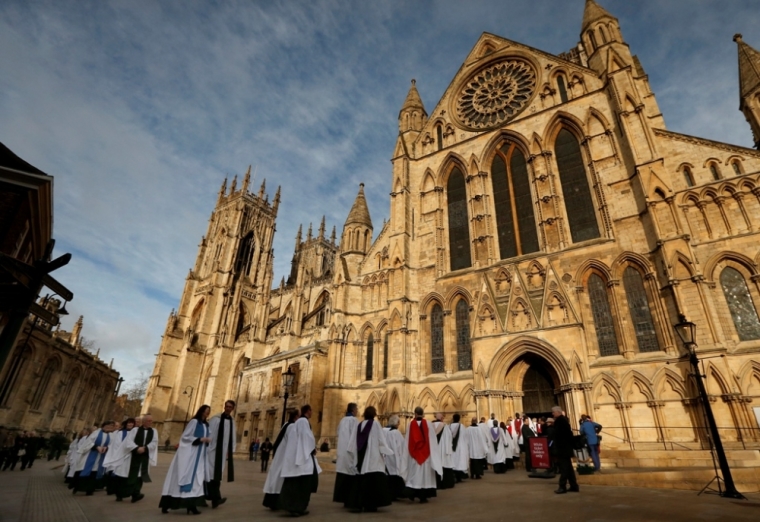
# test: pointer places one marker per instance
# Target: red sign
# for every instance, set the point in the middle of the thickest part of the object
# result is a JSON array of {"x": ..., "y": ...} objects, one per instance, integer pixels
[{"x": 539, "y": 453}]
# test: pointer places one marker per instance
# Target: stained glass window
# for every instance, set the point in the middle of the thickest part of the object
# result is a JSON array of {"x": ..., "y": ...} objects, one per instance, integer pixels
[
  {"x": 464, "y": 349},
  {"x": 515, "y": 221},
  {"x": 370, "y": 350},
  {"x": 561, "y": 88},
  {"x": 603, "y": 323},
  {"x": 459, "y": 226},
  {"x": 385, "y": 356},
  {"x": 743, "y": 310},
  {"x": 572, "y": 174},
  {"x": 640, "y": 313},
  {"x": 436, "y": 339}
]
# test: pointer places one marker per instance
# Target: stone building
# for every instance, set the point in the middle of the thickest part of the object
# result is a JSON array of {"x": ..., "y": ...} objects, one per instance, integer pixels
[{"x": 546, "y": 230}]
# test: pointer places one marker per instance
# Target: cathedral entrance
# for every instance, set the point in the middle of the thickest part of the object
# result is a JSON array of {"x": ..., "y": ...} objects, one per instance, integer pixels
[{"x": 535, "y": 377}]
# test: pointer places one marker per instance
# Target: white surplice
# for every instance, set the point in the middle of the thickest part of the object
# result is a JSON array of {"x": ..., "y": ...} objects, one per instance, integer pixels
[
  {"x": 460, "y": 457},
  {"x": 444, "y": 444},
  {"x": 498, "y": 455},
  {"x": 298, "y": 458},
  {"x": 515, "y": 436},
  {"x": 72, "y": 457},
  {"x": 396, "y": 463},
  {"x": 124, "y": 459},
  {"x": 346, "y": 429},
  {"x": 377, "y": 446},
  {"x": 273, "y": 484},
  {"x": 183, "y": 469},
  {"x": 85, "y": 445},
  {"x": 477, "y": 444},
  {"x": 114, "y": 455},
  {"x": 422, "y": 476},
  {"x": 213, "y": 429}
]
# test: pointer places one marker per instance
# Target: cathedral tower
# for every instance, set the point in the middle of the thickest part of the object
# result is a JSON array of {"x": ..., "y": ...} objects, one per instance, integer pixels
[
  {"x": 221, "y": 320},
  {"x": 749, "y": 86}
]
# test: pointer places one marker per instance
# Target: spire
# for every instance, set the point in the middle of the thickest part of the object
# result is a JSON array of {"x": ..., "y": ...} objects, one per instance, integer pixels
[
  {"x": 322, "y": 228},
  {"x": 308, "y": 234},
  {"x": 359, "y": 214},
  {"x": 276, "y": 202},
  {"x": 749, "y": 67},
  {"x": 246, "y": 179},
  {"x": 263, "y": 188},
  {"x": 234, "y": 185},
  {"x": 223, "y": 189},
  {"x": 298, "y": 237},
  {"x": 332, "y": 236},
  {"x": 412, "y": 115},
  {"x": 413, "y": 100},
  {"x": 593, "y": 12}
]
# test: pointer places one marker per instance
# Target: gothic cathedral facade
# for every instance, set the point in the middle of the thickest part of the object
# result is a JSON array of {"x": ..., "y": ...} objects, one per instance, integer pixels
[{"x": 546, "y": 231}]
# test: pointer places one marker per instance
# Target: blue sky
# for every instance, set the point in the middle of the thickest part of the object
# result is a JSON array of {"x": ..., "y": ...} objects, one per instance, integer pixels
[{"x": 139, "y": 109}]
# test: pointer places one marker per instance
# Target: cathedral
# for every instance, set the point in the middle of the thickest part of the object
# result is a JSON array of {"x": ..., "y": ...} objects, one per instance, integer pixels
[{"x": 546, "y": 232}]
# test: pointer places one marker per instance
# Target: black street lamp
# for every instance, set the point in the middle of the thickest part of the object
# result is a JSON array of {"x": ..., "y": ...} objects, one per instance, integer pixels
[
  {"x": 687, "y": 331},
  {"x": 189, "y": 400},
  {"x": 287, "y": 382}
]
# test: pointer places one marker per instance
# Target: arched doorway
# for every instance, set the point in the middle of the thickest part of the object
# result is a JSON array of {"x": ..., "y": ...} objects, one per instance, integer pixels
[{"x": 536, "y": 379}]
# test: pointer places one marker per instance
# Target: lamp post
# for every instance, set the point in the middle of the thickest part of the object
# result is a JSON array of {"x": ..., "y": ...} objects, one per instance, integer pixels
[
  {"x": 287, "y": 382},
  {"x": 189, "y": 400},
  {"x": 687, "y": 330}
]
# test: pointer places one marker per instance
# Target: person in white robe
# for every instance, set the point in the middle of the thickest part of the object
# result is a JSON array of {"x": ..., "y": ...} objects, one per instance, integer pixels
[
  {"x": 484, "y": 427},
  {"x": 447, "y": 479},
  {"x": 366, "y": 450},
  {"x": 300, "y": 470},
  {"x": 460, "y": 456},
  {"x": 72, "y": 457},
  {"x": 113, "y": 454},
  {"x": 220, "y": 450},
  {"x": 273, "y": 484},
  {"x": 136, "y": 453},
  {"x": 90, "y": 473},
  {"x": 477, "y": 444},
  {"x": 515, "y": 430},
  {"x": 498, "y": 444},
  {"x": 424, "y": 458},
  {"x": 395, "y": 464},
  {"x": 184, "y": 483},
  {"x": 343, "y": 468}
]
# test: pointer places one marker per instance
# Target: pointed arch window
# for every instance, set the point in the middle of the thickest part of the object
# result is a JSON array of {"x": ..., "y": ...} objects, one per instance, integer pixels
[
  {"x": 577, "y": 194},
  {"x": 459, "y": 226},
  {"x": 42, "y": 386},
  {"x": 464, "y": 348},
  {"x": 436, "y": 339},
  {"x": 370, "y": 358},
  {"x": 592, "y": 39},
  {"x": 603, "y": 323},
  {"x": 688, "y": 177},
  {"x": 562, "y": 88},
  {"x": 64, "y": 399},
  {"x": 245, "y": 255},
  {"x": 15, "y": 374},
  {"x": 641, "y": 316},
  {"x": 385, "y": 355},
  {"x": 601, "y": 33},
  {"x": 740, "y": 304},
  {"x": 439, "y": 133},
  {"x": 515, "y": 220},
  {"x": 714, "y": 171}
]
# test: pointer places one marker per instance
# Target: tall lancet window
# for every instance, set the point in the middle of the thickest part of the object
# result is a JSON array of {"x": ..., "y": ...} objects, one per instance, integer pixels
[
  {"x": 515, "y": 221},
  {"x": 640, "y": 313},
  {"x": 603, "y": 323},
  {"x": 436, "y": 339},
  {"x": 464, "y": 349},
  {"x": 459, "y": 225},
  {"x": 370, "y": 356},
  {"x": 385, "y": 355},
  {"x": 743, "y": 311},
  {"x": 578, "y": 202}
]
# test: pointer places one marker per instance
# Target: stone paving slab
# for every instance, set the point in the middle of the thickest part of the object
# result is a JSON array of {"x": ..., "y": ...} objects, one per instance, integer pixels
[{"x": 39, "y": 495}]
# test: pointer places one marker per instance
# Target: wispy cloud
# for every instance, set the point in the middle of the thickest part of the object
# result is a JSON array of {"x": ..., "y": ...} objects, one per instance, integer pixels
[{"x": 139, "y": 109}]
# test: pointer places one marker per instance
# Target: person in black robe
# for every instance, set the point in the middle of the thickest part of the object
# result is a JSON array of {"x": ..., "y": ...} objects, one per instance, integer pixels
[
  {"x": 562, "y": 441},
  {"x": 224, "y": 430},
  {"x": 265, "y": 449}
]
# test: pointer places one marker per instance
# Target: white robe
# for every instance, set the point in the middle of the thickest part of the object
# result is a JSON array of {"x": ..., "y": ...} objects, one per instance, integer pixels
[
  {"x": 477, "y": 444},
  {"x": 422, "y": 476},
  {"x": 499, "y": 455},
  {"x": 273, "y": 484},
  {"x": 346, "y": 429},
  {"x": 377, "y": 446},
  {"x": 461, "y": 456},
  {"x": 113, "y": 454},
  {"x": 124, "y": 459},
  {"x": 72, "y": 457},
  {"x": 298, "y": 460},
  {"x": 516, "y": 435},
  {"x": 85, "y": 445},
  {"x": 444, "y": 445},
  {"x": 396, "y": 463},
  {"x": 213, "y": 429},
  {"x": 183, "y": 464}
]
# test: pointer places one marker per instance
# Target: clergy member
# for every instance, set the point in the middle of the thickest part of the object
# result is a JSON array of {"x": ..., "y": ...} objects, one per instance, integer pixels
[
  {"x": 273, "y": 484},
  {"x": 366, "y": 448},
  {"x": 460, "y": 456},
  {"x": 477, "y": 444},
  {"x": 221, "y": 430},
  {"x": 498, "y": 441},
  {"x": 424, "y": 459},
  {"x": 139, "y": 451},
  {"x": 343, "y": 468},
  {"x": 72, "y": 457},
  {"x": 92, "y": 453},
  {"x": 114, "y": 455},
  {"x": 446, "y": 480},
  {"x": 299, "y": 469},
  {"x": 395, "y": 465},
  {"x": 184, "y": 483}
]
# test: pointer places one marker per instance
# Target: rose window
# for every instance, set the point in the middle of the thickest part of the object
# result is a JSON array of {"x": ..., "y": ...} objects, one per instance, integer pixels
[{"x": 496, "y": 94}]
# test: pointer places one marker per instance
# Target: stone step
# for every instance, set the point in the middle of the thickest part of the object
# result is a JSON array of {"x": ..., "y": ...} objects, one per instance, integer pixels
[
  {"x": 749, "y": 454},
  {"x": 747, "y": 480}
]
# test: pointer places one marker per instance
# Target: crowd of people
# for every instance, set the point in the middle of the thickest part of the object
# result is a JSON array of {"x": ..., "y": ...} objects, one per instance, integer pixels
[{"x": 24, "y": 447}]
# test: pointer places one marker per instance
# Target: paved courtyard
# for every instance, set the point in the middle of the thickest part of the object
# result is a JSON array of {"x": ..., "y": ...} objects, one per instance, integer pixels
[{"x": 39, "y": 494}]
